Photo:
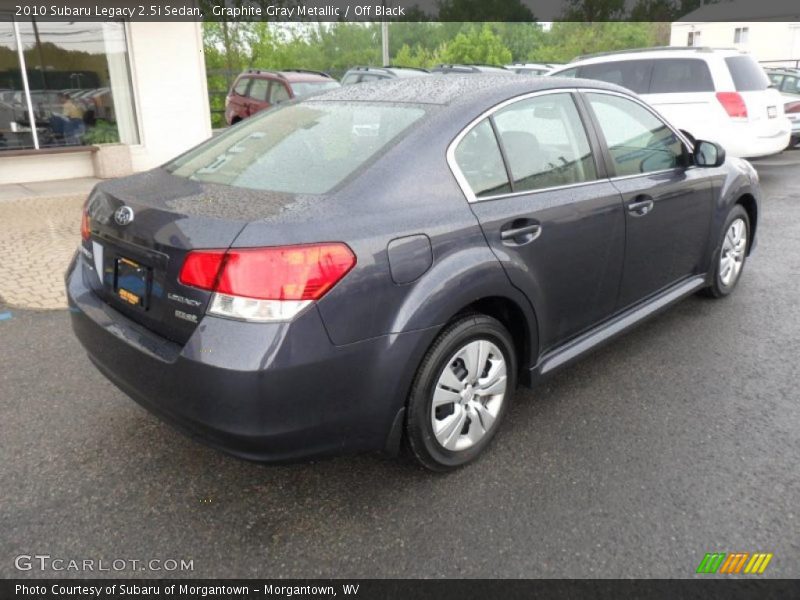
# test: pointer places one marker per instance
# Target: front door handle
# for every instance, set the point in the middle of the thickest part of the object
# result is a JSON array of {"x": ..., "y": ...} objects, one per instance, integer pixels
[
  {"x": 641, "y": 206},
  {"x": 520, "y": 231}
]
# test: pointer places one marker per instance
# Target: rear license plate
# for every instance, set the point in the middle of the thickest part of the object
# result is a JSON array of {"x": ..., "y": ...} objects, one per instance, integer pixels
[
  {"x": 772, "y": 112},
  {"x": 131, "y": 282}
]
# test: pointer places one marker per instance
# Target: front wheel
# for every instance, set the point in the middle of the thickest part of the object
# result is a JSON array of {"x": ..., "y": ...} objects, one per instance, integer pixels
[
  {"x": 461, "y": 392},
  {"x": 731, "y": 253}
]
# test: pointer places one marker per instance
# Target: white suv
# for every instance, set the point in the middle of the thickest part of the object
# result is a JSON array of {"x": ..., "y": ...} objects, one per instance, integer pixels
[{"x": 717, "y": 95}]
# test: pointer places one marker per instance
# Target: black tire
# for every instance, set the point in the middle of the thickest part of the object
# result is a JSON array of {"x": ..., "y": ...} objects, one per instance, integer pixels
[
  {"x": 718, "y": 289},
  {"x": 420, "y": 436}
]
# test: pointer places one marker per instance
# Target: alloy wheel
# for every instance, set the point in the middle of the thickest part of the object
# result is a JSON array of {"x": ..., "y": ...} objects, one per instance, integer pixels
[{"x": 732, "y": 254}]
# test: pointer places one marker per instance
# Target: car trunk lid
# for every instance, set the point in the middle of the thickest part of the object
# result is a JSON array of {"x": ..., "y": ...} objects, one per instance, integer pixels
[{"x": 143, "y": 226}]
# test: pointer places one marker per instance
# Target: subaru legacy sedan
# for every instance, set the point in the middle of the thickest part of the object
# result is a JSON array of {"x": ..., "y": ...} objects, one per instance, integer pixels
[{"x": 381, "y": 266}]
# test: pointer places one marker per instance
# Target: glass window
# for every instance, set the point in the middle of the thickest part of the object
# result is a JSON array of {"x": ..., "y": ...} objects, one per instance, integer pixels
[
  {"x": 79, "y": 82},
  {"x": 573, "y": 72},
  {"x": 306, "y": 148},
  {"x": 258, "y": 89},
  {"x": 693, "y": 39},
  {"x": 791, "y": 84},
  {"x": 638, "y": 141},
  {"x": 15, "y": 126},
  {"x": 478, "y": 156},
  {"x": 740, "y": 35},
  {"x": 241, "y": 86},
  {"x": 304, "y": 88},
  {"x": 278, "y": 93},
  {"x": 673, "y": 75},
  {"x": 747, "y": 74},
  {"x": 545, "y": 143},
  {"x": 350, "y": 79},
  {"x": 631, "y": 74}
]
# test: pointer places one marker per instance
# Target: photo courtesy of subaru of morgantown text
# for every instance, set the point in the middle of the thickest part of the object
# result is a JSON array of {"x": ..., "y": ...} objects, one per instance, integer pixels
[{"x": 381, "y": 265}]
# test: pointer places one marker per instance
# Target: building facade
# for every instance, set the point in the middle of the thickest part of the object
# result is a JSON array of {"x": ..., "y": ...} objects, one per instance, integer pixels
[
  {"x": 84, "y": 99},
  {"x": 767, "y": 29}
]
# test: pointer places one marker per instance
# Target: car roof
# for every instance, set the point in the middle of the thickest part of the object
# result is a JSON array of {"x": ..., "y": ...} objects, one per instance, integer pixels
[
  {"x": 479, "y": 89},
  {"x": 395, "y": 70},
  {"x": 289, "y": 75},
  {"x": 467, "y": 68},
  {"x": 650, "y": 53}
]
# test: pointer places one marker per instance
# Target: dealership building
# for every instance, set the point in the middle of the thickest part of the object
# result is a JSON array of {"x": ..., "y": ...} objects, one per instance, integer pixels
[{"x": 98, "y": 99}]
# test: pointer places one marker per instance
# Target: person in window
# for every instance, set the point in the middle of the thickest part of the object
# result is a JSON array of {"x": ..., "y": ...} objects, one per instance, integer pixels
[{"x": 69, "y": 124}]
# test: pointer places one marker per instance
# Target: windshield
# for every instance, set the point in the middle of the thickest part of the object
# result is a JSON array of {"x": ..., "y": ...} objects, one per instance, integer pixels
[
  {"x": 304, "y": 88},
  {"x": 305, "y": 148}
]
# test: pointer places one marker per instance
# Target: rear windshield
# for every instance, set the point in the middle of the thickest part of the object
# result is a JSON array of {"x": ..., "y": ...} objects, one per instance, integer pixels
[
  {"x": 305, "y": 148},
  {"x": 304, "y": 88},
  {"x": 747, "y": 75}
]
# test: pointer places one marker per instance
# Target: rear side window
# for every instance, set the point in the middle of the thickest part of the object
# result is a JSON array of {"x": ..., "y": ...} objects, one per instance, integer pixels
[
  {"x": 747, "y": 75},
  {"x": 278, "y": 93},
  {"x": 791, "y": 84},
  {"x": 631, "y": 74},
  {"x": 676, "y": 75},
  {"x": 306, "y": 148},
  {"x": 478, "y": 156},
  {"x": 241, "y": 86},
  {"x": 545, "y": 143},
  {"x": 573, "y": 72}
]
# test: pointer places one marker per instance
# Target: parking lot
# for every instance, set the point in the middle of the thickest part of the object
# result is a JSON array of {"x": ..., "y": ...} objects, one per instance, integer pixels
[{"x": 680, "y": 438}]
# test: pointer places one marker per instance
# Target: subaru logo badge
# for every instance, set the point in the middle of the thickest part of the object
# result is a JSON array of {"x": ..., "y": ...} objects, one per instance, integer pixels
[{"x": 123, "y": 215}]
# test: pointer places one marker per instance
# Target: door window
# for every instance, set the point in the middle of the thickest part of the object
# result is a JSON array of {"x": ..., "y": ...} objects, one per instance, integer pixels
[
  {"x": 278, "y": 93},
  {"x": 258, "y": 91},
  {"x": 545, "y": 143},
  {"x": 631, "y": 74},
  {"x": 638, "y": 141},
  {"x": 241, "y": 86},
  {"x": 478, "y": 156}
]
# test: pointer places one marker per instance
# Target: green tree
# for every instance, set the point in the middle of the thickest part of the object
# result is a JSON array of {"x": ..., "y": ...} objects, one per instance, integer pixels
[{"x": 477, "y": 45}]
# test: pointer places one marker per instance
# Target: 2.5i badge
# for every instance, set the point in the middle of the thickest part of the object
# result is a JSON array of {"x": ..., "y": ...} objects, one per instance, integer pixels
[{"x": 186, "y": 316}]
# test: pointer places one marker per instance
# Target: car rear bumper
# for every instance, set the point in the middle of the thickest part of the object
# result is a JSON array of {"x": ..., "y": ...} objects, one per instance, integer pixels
[
  {"x": 268, "y": 392},
  {"x": 747, "y": 140}
]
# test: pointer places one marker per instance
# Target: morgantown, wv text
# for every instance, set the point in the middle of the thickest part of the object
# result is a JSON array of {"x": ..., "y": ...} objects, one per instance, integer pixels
[{"x": 181, "y": 590}]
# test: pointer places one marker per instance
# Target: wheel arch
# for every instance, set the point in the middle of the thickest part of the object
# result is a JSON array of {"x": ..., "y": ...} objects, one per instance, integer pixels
[{"x": 748, "y": 202}]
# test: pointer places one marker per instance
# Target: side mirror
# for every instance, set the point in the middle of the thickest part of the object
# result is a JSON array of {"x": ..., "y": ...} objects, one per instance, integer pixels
[{"x": 708, "y": 154}]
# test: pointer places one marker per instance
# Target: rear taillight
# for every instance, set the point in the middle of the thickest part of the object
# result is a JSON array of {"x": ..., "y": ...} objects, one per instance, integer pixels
[
  {"x": 791, "y": 107},
  {"x": 733, "y": 103},
  {"x": 266, "y": 284},
  {"x": 86, "y": 230}
]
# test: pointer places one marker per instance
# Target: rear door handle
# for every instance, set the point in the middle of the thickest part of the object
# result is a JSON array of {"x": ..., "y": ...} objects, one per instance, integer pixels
[
  {"x": 641, "y": 206},
  {"x": 520, "y": 231}
]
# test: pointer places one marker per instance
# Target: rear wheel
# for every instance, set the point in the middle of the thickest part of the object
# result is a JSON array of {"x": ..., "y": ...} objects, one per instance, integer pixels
[
  {"x": 461, "y": 392},
  {"x": 731, "y": 253}
]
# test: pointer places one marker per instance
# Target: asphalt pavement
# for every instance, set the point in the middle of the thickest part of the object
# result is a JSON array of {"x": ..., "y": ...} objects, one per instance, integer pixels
[{"x": 678, "y": 439}]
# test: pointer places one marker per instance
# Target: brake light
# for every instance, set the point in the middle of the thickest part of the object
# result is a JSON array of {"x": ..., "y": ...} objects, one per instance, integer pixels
[
  {"x": 86, "y": 230},
  {"x": 266, "y": 284},
  {"x": 792, "y": 107},
  {"x": 733, "y": 103}
]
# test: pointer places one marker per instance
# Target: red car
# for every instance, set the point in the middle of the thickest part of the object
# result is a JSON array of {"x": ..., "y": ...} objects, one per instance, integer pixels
[{"x": 256, "y": 90}]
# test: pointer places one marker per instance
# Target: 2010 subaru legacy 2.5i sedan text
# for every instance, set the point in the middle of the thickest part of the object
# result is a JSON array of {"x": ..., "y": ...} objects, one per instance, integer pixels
[{"x": 382, "y": 264}]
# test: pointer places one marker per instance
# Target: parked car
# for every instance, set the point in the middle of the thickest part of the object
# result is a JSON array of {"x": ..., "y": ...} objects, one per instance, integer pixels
[
  {"x": 256, "y": 90},
  {"x": 367, "y": 74},
  {"x": 531, "y": 68},
  {"x": 466, "y": 69},
  {"x": 437, "y": 243},
  {"x": 718, "y": 95},
  {"x": 787, "y": 82},
  {"x": 792, "y": 110}
]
